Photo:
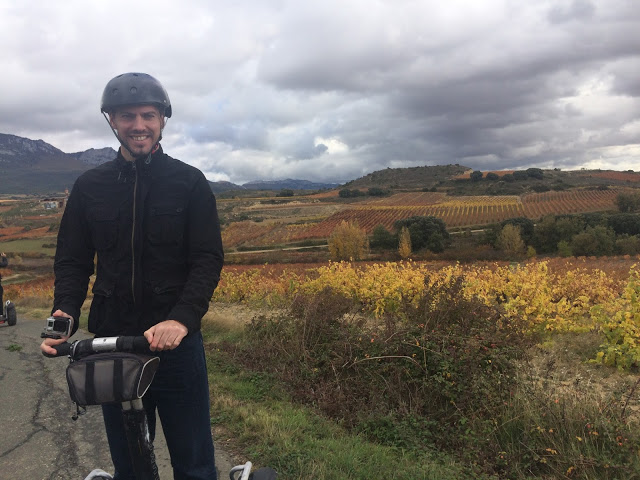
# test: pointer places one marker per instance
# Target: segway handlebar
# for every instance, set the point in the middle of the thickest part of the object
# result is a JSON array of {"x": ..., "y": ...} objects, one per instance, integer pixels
[{"x": 82, "y": 348}]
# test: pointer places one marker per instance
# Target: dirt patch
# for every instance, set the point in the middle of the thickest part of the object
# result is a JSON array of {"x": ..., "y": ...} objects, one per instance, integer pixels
[
  {"x": 233, "y": 315},
  {"x": 564, "y": 366}
]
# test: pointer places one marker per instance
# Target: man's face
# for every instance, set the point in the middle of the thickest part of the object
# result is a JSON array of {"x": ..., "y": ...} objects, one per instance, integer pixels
[{"x": 139, "y": 128}]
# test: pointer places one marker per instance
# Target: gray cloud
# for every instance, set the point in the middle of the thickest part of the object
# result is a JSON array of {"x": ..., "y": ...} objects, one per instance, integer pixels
[{"x": 333, "y": 90}]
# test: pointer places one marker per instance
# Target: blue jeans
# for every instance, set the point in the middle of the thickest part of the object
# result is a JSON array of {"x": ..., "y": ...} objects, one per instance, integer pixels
[{"x": 180, "y": 393}]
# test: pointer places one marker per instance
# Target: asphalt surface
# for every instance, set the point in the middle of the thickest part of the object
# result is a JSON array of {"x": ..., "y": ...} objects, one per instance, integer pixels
[{"x": 38, "y": 438}]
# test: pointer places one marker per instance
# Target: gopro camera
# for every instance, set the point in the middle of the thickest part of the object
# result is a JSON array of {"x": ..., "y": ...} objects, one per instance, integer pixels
[{"x": 57, "y": 327}]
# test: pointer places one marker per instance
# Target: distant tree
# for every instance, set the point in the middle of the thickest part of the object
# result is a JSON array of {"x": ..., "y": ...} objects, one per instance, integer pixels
[
  {"x": 492, "y": 176},
  {"x": 535, "y": 173},
  {"x": 564, "y": 249},
  {"x": 508, "y": 177},
  {"x": 426, "y": 232},
  {"x": 350, "y": 193},
  {"x": 525, "y": 225},
  {"x": 567, "y": 226},
  {"x": 594, "y": 219},
  {"x": 627, "y": 202},
  {"x": 377, "y": 192},
  {"x": 285, "y": 192},
  {"x": 348, "y": 242},
  {"x": 476, "y": 176},
  {"x": 628, "y": 245},
  {"x": 520, "y": 175},
  {"x": 552, "y": 229},
  {"x": 404, "y": 243},
  {"x": 510, "y": 241},
  {"x": 383, "y": 239},
  {"x": 597, "y": 240},
  {"x": 624, "y": 223},
  {"x": 540, "y": 187}
]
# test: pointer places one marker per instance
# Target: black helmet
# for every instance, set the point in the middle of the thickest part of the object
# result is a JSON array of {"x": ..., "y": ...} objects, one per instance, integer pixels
[{"x": 135, "y": 89}]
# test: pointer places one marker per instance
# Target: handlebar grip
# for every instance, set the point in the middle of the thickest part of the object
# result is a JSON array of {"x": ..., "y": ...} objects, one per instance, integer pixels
[
  {"x": 138, "y": 344},
  {"x": 62, "y": 350}
]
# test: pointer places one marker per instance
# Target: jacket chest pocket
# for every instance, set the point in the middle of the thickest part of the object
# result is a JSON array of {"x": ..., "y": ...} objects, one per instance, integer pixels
[
  {"x": 104, "y": 229},
  {"x": 166, "y": 225}
]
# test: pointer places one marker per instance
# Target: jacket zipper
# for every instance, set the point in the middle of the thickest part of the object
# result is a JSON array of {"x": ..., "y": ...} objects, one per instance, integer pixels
[{"x": 133, "y": 235}]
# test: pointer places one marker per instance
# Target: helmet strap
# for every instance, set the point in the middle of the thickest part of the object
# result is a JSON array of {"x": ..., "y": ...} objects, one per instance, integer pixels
[{"x": 118, "y": 136}]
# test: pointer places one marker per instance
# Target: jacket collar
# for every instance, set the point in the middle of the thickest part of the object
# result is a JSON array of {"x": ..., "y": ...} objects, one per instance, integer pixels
[{"x": 141, "y": 163}]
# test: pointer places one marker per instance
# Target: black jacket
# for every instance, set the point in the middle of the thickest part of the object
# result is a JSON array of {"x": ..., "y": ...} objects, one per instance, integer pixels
[{"x": 155, "y": 229}]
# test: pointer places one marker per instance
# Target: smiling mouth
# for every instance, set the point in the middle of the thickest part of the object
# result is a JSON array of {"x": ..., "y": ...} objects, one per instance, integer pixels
[{"x": 140, "y": 138}]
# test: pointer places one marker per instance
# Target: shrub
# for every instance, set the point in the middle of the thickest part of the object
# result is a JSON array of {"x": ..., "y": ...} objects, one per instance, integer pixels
[
  {"x": 593, "y": 241},
  {"x": 627, "y": 202},
  {"x": 348, "y": 242},
  {"x": 383, "y": 239},
  {"x": 564, "y": 249},
  {"x": 520, "y": 175},
  {"x": 347, "y": 193},
  {"x": 624, "y": 223},
  {"x": 285, "y": 192},
  {"x": 404, "y": 243},
  {"x": 377, "y": 192},
  {"x": 426, "y": 232},
  {"x": 540, "y": 187},
  {"x": 510, "y": 241},
  {"x": 628, "y": 245},
  {"x": 437, "y": 372},
  {"x": 525, "y": 225},
  {"x": 535, "y": 173},
  {"x": 476, "y": 176}
]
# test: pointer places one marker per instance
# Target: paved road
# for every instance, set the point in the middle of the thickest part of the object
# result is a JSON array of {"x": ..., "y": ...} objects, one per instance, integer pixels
[{"x": 38, "y": 438}]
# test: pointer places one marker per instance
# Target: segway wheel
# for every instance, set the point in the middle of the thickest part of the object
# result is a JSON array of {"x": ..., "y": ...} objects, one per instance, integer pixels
[{"x": 12, "y": 316}]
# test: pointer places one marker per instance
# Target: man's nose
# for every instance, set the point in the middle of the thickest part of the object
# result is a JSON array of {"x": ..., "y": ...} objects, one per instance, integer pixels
[{"x": 138, "y": 123}]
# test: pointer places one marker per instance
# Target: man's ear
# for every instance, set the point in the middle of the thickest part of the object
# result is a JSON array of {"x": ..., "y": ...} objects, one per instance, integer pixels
[{"x": 112, "y": 120}]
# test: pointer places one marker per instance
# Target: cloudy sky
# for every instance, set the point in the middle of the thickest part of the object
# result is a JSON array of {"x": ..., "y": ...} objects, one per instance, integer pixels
[{"x": 332, "y": 90}]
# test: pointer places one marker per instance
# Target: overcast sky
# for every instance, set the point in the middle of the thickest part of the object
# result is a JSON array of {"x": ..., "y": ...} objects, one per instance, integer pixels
[{"x": 332, "y": 90}]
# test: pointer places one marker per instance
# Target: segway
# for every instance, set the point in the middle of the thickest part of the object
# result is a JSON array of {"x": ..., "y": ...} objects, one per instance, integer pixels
[{"x": 9, "y": 314}]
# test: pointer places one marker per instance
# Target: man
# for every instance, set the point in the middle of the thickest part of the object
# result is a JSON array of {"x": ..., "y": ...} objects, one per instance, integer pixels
[{"x": 152, "y": 222}]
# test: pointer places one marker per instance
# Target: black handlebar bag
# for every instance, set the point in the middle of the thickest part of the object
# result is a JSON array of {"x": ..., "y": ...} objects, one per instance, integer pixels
[{"x": 110, "y": 377}]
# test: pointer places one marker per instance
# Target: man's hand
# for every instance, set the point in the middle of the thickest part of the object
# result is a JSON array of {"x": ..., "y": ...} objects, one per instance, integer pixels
[
  {"x": 46, "y": 344},
  {"x": 165, "y": 335}
]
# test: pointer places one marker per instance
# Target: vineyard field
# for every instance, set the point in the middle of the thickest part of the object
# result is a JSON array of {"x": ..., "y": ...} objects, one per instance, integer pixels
[
  {"x": 538, "y": 205},
  {"x": 266, "y": 234},
  {"x": 467, "y": 211},
  {"x": 15, "y": 233}
]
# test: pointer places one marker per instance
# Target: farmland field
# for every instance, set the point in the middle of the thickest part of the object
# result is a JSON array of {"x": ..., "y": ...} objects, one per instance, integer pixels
[{"x": 465, "y": 211}]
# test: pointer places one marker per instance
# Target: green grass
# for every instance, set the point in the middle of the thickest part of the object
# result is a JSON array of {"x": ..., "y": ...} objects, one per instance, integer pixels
[
  {"x": 30, "y": 245},
  {"x": 298, "y": 442}
]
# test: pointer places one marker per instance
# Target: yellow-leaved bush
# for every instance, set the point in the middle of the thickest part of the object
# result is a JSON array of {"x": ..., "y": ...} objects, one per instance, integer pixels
[{"x": 572, "y": 300}]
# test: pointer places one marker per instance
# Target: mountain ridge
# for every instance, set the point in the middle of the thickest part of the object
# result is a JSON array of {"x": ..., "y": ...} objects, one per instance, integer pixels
[{"x": 36, "y": 167}]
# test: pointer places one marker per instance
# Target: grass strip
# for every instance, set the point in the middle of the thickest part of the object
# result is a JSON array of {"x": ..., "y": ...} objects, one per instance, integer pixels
[{"x": 299, "y": 443}]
